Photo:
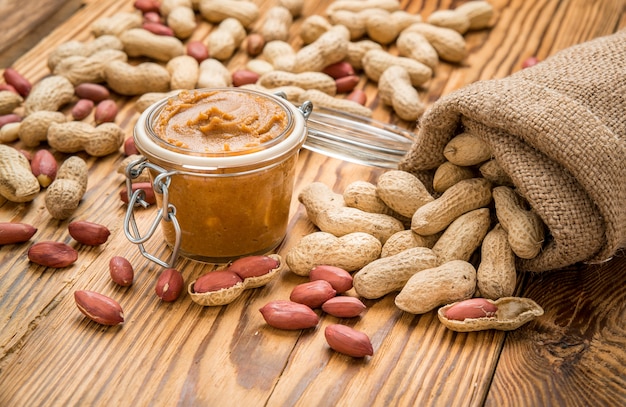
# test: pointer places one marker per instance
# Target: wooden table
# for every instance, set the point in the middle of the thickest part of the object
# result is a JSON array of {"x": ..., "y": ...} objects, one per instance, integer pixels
[{"x": 183, "y": 354}]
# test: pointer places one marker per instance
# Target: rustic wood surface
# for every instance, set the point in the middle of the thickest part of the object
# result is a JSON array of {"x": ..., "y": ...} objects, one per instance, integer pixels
[
  {"x": 27, "y": 25},
  {"x": 183, "y": 354}
]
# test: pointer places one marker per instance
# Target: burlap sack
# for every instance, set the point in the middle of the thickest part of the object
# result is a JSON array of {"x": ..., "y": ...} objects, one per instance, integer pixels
[{"x": 559, "y": 130}]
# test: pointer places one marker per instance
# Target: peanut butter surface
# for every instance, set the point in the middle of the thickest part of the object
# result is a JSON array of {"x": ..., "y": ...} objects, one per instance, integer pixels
[{"x": 220, "y": 121}]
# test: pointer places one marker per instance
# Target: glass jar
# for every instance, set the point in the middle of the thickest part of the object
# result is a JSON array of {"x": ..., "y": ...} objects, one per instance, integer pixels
[{"x": 219, "y": 200}]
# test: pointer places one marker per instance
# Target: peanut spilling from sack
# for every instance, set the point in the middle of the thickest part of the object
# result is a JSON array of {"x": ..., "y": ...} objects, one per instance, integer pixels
[{"x": 431, "y": 255}]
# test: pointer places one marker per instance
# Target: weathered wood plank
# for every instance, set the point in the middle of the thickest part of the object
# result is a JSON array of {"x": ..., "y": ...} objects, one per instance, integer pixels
[
  {"x": 23, "y": 27},
  {"x": 575, "y": 354}
]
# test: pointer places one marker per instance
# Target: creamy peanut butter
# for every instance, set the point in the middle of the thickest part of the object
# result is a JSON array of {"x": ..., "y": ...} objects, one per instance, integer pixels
[{"x": 220, "y": 121}]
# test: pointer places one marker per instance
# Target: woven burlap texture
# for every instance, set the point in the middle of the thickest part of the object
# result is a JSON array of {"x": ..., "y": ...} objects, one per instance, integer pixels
[{"x": 559, "y": 130}]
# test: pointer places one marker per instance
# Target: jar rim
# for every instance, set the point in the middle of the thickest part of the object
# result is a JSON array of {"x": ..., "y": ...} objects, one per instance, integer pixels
[{"x": 154, "y": 148}]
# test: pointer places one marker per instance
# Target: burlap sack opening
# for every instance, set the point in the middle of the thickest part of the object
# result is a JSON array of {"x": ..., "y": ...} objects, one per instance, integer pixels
[{"x": 559, "y": 130}]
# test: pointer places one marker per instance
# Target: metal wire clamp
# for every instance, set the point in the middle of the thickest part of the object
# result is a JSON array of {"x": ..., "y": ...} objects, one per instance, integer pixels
[{"x": 166, "y": 213}]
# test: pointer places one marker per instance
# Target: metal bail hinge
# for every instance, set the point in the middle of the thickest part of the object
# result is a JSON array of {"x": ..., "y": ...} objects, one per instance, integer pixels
[
  {"x": 306, "y": 108},
  {"x": 167, "y": 212}
]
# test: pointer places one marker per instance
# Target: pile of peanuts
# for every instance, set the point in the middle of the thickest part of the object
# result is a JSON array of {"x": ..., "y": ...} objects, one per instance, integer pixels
[
  {"x": 456, "y": 249},
  {"x": 453, "y": 250},
  {"x": 318, "y": 63}
]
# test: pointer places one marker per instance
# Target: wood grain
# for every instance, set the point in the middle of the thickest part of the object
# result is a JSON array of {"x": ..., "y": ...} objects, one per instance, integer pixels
[
  {"x": 23, "y": 26},
  {"x": 576, "y": 353},
  {"x": 183, "y": 354}
]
